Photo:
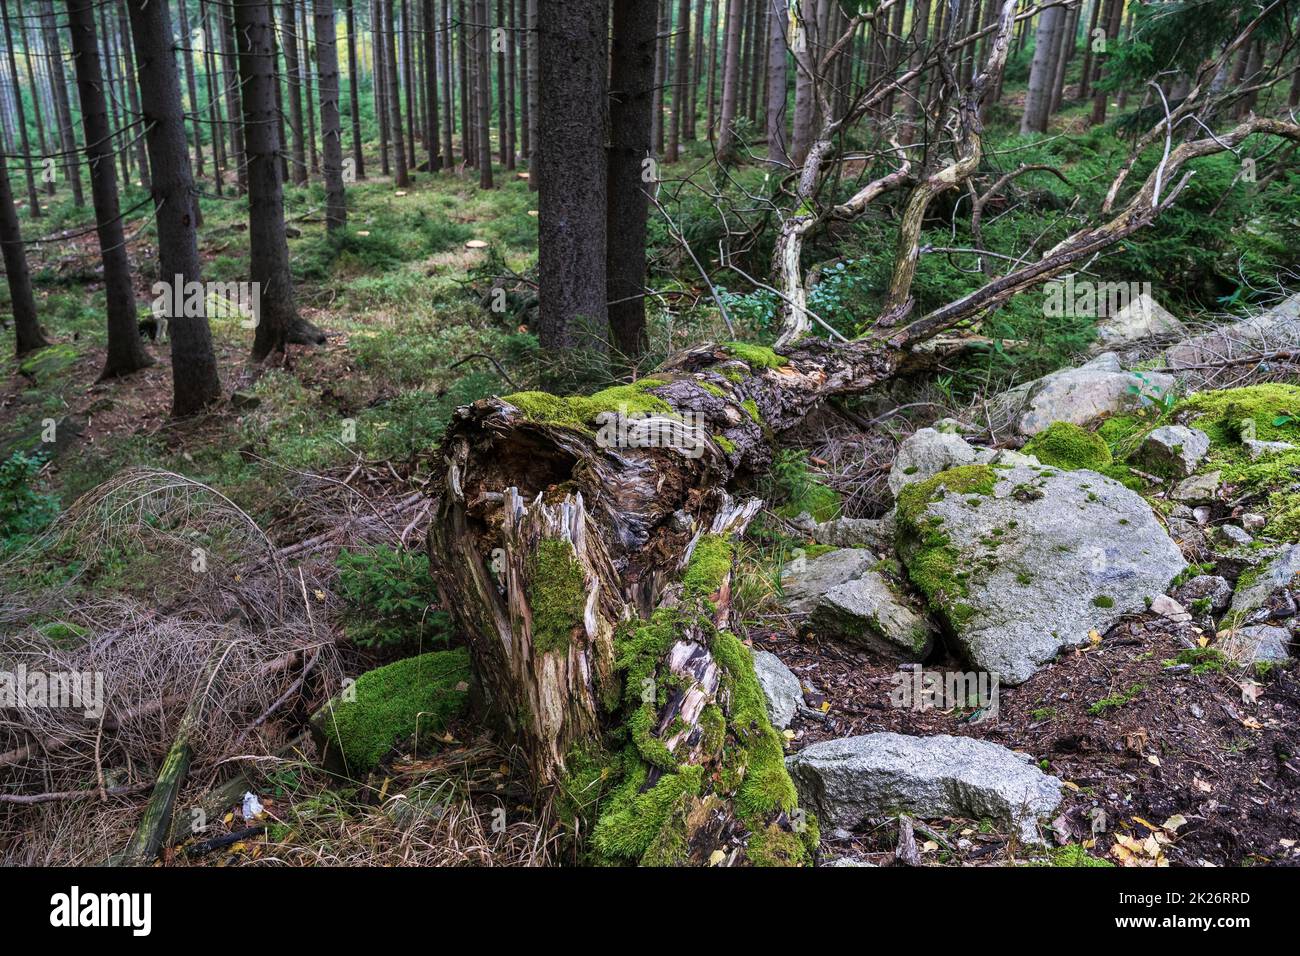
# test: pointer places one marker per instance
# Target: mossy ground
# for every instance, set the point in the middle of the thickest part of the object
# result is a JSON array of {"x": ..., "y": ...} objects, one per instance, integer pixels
[{"x": 392, "y": 703}]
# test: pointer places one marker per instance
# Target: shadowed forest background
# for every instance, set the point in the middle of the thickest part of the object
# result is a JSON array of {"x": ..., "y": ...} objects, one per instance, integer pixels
[{"x": 319, "y": 308}]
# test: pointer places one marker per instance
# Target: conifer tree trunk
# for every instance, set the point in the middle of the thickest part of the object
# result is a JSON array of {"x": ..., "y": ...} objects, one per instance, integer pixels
[
  {"x": 33, "y": 202},
  {"x": 631, "y": 102},
  {"x": 430, "y": 44},
  {"x": 327, "y": 60},
  {"x": 126, "y": 353},
  {"x": 521, "y": 78},
  {"x": 62, "y": 109},
  {"x": 572, "y": 84},
  {"x": 401, "y": 176},
  {"x": 483, "y": 92},
  {"x": 289, "y": 31},
  {"x": 379, "y": 82},
  {"x": 408, "y": 82},
  {"x": 354, "y": 97},
  {"x": 195, "y": 384},
  {"x": 187, "y": 56},
  {"x": 730, "y": 82},
  {"x": 1042, "y": 71},
  {"x": 448, "y": 110},
  {"x": 278, "y": 323},
  {"x": 682, "y": 69},
  {"x": 711, "y": 95},
  {"x": 777, "y": 150},
  {"x": 534, "y": 99},
  {"x": 661, "y": 75},
  {"x": 234, "y": 99},
  {"x": 28, "y": 336},
  {"x": 308, "y": 84},
  {"x": 511, "y": 93}
]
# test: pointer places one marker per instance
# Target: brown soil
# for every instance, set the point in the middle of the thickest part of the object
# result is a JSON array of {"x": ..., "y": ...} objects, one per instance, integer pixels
[{"x": 1186, "y": 744}]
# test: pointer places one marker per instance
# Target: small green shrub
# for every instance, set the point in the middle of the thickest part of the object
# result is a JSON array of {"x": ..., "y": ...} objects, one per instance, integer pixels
[
  {"x": 388, "y": 594},
  {"x": 24, "y": 511}
]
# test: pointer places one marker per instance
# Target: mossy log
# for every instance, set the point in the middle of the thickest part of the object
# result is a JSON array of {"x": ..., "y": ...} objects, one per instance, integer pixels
[{"x": 592, "y": 580}]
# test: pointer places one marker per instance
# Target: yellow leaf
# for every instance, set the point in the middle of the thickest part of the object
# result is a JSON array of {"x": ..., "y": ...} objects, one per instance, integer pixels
[
  {"x": 1176, "y": 821},
  {"x": 716, "y": 857},
  {"x": 1149, "y": 826}
]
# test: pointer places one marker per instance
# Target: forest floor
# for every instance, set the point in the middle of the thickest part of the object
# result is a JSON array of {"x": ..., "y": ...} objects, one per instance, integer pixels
[{"x": 403, "y": 299}]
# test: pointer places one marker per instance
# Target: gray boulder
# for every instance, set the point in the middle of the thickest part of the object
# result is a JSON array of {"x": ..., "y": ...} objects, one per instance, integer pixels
[
  {"x": 866, "y": 611},
  {"x": 1022, "y": 562},
  {"x": 781, "y": 688},
  {"x": 1173, "y": 450},
  {"x": 1198, "y": 488},
  {"x": 1230, "y": 536},
  {"x": 805, "y": 580},
  {"x": 854, "y": 779},
  {"x": 1082, "y": 395}
]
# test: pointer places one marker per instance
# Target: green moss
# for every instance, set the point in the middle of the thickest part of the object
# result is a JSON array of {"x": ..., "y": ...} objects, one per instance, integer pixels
[
  {"x": 580, "y": 411},
  {"x": 933, "y": 564},
  {"x": 1072, "y": 855},
  {"x": 714, "y": 390},
  {"x": 1066, "y": 445},
  {"x": 1116, "y": 701},
  {"x": 751, "y": 406},
  {"x": 1104, "y": 601},
  {"x": 1270, "y": 410},
  {"x": 757, "y": 356},
  {"x": 633, "y": 819},
  {"x": 557, "y": 594},
  {"x": 1124, "y": 433},
  {"x": 725, "y": 443},
  {"x": 709, "y": 566},
  {"x": 1278, "y": 477},
  {"x": 389, "y": 703}
]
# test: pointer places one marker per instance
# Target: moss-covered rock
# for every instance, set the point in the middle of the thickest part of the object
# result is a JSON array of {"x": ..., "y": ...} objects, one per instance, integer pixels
[
  {"x": 387, "y": 706},
  {"x": 1268, "y": 412}
]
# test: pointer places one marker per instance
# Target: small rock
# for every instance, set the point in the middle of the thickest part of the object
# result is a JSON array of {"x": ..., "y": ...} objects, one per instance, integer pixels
[
  {"x": 1167, "y": 607},
  {"x": 849, "y": 861},
  {"x": 1143, "y": 318},
  {"x": 927, "y": 452},
  {"x": 1261, "y": 642},
  {"x": 854, "y": 779},
  {"x": 1198, "y": 488},
  {"x": 866, "y": 611},
  {"x": 1278, "y": 572},
  {"x": 780, "y": 688},
  {"x": 1261, "y": 449},
  {"x": 876, "y": 534},
  {"x": 1205, "y": 586},
  {"x": 1173, "y": 450},
  {"x": 1230, "y": 536},
  {"x": 804, "y": 581},
  {"x": 1253, "y": 522},
  {"x": 1197, "y": 711}
]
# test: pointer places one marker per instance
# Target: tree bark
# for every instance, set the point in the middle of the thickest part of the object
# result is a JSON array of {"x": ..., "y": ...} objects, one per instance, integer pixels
[
  {"x": 1041, "y": 72},
  {"x": 278, "y": 323},
  {"x": 448, "y": 109},
  {"x": 510, "y": 94},
  {"x": 304, "y": 71},
  {"x": 571, "y": 222},
  {"x": 33, "y": 201},
  {"x": 354, "y": 99},
  {"x": 730, "y": 83},
  {"x": 697, "y": 71},
  {"x": 661, "y": 75},
  {"x": 234, "y": 98},
  {"x": 431, "y": 131},
  {"x": 62, "y": 110},
  {"x": 215, "y": 118},
  {"x": 682, "y": 66},
  {"x": 1113, "y": 14},
  {"x": 379, "y": 82},
  {"x": 289, "y": 30},
  {"x": 195, "y": 384},
  {"x": 631, "y": 103},
  {"x": 805, "y": 108},
  {"x": 534, "y": 98},
  {"x": 483, "y": 92},
  {"x": 126, "y": 352},
  {"x": 711, "y": 95},
  {"x": 28, "y": 336},
  {"x": 401, "y": 175},
  {"x": 520, "y": 23},
  {"x": 327, "y": 60},
  {"x": 196, "y": 123},
  {"x": 777, "y": 149}
]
